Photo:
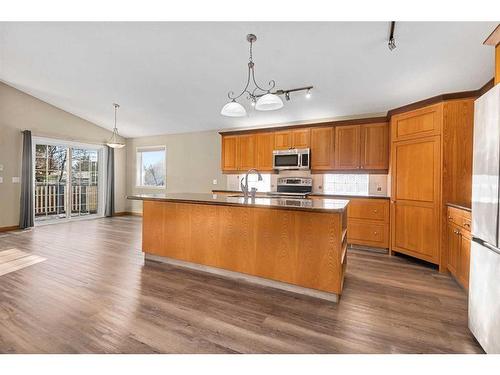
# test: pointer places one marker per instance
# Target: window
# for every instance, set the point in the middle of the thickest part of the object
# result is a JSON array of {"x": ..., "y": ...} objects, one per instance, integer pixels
[
  {"x": 346, "y": 184},
  {"x": 151, "y": 167}
]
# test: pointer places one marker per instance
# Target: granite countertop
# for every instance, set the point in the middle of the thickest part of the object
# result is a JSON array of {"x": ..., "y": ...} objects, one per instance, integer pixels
[
  {"x": 468, "y": 209},
  {"x": 315, "y": 205},
  {"x": 326, "y": 195}
]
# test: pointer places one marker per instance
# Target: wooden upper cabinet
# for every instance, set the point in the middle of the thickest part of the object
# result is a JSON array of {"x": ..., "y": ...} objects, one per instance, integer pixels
[
  {"x": 347, "y": 147},
  {"x": 286, "y": 139},
  {"x": 375, "y": 146},
  {"x": 283, "y": 140},
  {"x": 246, "y": 151},
  {"x": 419, "y": 123},
  {"x": 301, "y": 138},
  {"x": 229, "y": 160},
  {"x": 322, "y": 146},
  {"x": 265, "y": 147}
]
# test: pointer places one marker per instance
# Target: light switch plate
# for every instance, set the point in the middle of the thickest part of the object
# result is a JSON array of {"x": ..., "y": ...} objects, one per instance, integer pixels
[
  {"x": 1, "y": 180},
  {"x": 1, "y": 167},
  {"x": 15, "y": 180},
  {"x": 214, "y": 182}
]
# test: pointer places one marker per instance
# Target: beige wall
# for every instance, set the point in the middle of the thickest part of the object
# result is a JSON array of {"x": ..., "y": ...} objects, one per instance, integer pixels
[
  {"x": 193, "y": 162},
  {"x": 20, "y": 111}
]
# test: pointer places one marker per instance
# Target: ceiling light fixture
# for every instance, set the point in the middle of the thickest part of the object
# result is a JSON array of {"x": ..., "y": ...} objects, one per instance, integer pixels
[
  {"x": 264, "y": 100},
  {"x": 113, "y": 141},
  {"x": 287, "y": 96},
  {"x": 392, "y": 42},
  {"x": 308, "y": 93}
]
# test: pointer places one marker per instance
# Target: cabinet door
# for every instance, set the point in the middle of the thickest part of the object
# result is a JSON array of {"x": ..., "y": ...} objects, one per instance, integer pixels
[
  {"x": 322, "y": 145},
  {"x": 282, "y": 140},
  {"x": 453, "y": 240},
  {"x": 246, "y": 152},
  {"x": 416, "y": 191},
  {"x": 229, "y": 153},
  {"x": 419, "y": 123},
  {"x": 464, "y": 259},
  {"x": 347, "y": 147},
  {"x": 301, "y": 138},
  {"x": 375, "y": 146},
  {"x": 265, "y": 147}
]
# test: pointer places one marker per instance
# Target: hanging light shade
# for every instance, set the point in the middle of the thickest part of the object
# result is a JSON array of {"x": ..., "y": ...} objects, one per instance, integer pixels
[
  {"x": 269, "y": 102},
  {"x": 114, "y": 142},
  {"x": 233, "y": 109}
]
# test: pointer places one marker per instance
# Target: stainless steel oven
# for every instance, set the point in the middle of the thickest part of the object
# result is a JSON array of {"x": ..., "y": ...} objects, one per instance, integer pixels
[{"x": 291, "y": 159}]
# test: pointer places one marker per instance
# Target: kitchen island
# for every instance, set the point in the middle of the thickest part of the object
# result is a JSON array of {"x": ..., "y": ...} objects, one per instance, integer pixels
[{"x": 294, "y": 244}]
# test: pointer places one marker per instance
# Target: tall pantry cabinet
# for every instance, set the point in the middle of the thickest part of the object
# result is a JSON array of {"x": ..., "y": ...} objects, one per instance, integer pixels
[{"x": 422, "y": 182}]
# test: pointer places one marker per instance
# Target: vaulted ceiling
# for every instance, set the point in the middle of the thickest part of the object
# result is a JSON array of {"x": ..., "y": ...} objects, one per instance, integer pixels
[{"x": 174, "y": 77}]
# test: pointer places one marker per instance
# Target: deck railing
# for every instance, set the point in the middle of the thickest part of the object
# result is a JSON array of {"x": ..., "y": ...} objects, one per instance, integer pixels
[{"x": 51, "y": 199}]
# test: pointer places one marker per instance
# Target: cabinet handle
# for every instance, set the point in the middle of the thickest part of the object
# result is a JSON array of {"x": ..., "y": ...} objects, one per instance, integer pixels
[
  {"x": 375, "y": 233},
  {"x": 450, "y": 218},
  {"x": 375, "y": 211},
  {"x": 467, "y": 225}
]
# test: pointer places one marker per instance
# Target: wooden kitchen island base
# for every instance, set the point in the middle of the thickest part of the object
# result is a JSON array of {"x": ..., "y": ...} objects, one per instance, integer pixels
[{"x": 300, "y": 247}]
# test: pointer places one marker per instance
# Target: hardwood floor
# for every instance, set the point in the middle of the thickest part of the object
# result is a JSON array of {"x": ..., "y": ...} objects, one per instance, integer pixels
[{"x": 94, "y": 294}]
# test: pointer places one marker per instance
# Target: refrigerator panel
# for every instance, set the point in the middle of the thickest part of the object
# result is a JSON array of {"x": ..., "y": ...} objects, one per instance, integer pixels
[
  {"x": 484, "y": 296},
  {"x": 486, "y": 167}
]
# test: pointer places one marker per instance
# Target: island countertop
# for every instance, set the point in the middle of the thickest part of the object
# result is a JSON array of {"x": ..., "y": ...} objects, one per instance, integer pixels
[{"x": 315, "y": 205}]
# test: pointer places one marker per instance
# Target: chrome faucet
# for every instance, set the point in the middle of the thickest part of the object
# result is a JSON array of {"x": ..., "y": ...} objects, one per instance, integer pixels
[{"x": 244, "y": 188}]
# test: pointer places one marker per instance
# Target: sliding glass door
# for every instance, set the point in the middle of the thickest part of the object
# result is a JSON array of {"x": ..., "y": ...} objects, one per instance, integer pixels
[{"x": 68, "y": 181}]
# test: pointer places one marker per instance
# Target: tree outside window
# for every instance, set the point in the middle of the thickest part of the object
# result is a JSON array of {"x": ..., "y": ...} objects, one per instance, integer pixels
[{"x": 151, "y": 171}]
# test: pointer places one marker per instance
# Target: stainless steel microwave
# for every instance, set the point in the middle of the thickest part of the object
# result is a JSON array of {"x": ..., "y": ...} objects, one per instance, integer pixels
[{"x": 291, "y": 159}]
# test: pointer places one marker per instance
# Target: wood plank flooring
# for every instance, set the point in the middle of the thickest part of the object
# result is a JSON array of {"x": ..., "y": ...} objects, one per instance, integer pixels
[{"x": 94, "y": 294}]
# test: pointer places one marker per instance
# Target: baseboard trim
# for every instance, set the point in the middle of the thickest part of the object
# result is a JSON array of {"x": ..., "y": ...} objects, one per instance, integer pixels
[
  {"x": 127, "y": 213},
  {"x": 8, "y": 229},
  {"x": 332, "y": 297}
]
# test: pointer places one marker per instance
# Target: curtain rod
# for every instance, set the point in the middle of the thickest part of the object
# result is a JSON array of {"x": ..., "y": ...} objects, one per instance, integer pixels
[{"x": 41, "y": 135}]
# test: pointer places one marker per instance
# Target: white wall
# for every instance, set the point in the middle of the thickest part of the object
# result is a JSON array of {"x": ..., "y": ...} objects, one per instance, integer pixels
[
  {"x": 20, "y": 111},
  {"x": 193, "y": 162}
]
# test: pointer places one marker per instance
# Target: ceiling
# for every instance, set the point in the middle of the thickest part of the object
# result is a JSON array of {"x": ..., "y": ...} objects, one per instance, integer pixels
[{"x": 174, "y": 77}]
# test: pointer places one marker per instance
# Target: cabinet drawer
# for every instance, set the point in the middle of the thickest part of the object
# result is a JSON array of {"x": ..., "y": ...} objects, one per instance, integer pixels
[
  {"x": 370, "y": 234},
  {"x": 369, "y": 209},
  {"x": 459, "y": 217}
]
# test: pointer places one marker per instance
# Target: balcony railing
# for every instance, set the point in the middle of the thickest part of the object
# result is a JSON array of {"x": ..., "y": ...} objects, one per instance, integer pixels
[{"x": 52, "y": 199}]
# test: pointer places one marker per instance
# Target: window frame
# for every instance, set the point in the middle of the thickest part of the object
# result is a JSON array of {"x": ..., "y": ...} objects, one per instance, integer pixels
[{"x": 138, "y": 166}]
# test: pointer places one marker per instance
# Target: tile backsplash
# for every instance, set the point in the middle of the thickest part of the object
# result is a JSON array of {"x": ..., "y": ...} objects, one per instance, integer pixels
[{"x": 377, "y": 183}]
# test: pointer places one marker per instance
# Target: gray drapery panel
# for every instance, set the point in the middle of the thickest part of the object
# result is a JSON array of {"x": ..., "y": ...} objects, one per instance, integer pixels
[
  {"x": 110, "y": 183},
  {"x": 26, "y": 217}
]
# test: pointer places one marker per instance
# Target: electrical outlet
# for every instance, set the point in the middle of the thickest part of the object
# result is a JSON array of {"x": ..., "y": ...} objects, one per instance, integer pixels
[
  {"x": 1, "y": 180},
  {"x": 1, "y": 167},
  {"x": 214, "y": 182},
  {"x": 15, "y": 180}
]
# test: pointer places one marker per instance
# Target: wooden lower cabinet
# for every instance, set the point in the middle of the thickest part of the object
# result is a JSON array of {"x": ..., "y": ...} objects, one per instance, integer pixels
[
  {"x": 458, "y": 245},
  {"x": 368, "y": 222}
]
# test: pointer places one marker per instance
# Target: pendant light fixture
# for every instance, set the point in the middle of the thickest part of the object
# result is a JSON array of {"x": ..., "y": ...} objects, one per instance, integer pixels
[
  {"x": 262, "y": 99},
  {"x": 114, "y": 141}
]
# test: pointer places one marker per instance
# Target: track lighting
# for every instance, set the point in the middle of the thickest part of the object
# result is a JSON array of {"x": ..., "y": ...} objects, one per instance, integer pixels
[
  {"x": 287, "y": 96},
  {"x": 392, "y": 42},
  {"x": 308, "y": 93}
]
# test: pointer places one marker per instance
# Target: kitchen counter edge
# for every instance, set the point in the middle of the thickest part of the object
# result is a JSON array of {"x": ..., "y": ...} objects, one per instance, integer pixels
[{"x": 334, "y": 206}]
